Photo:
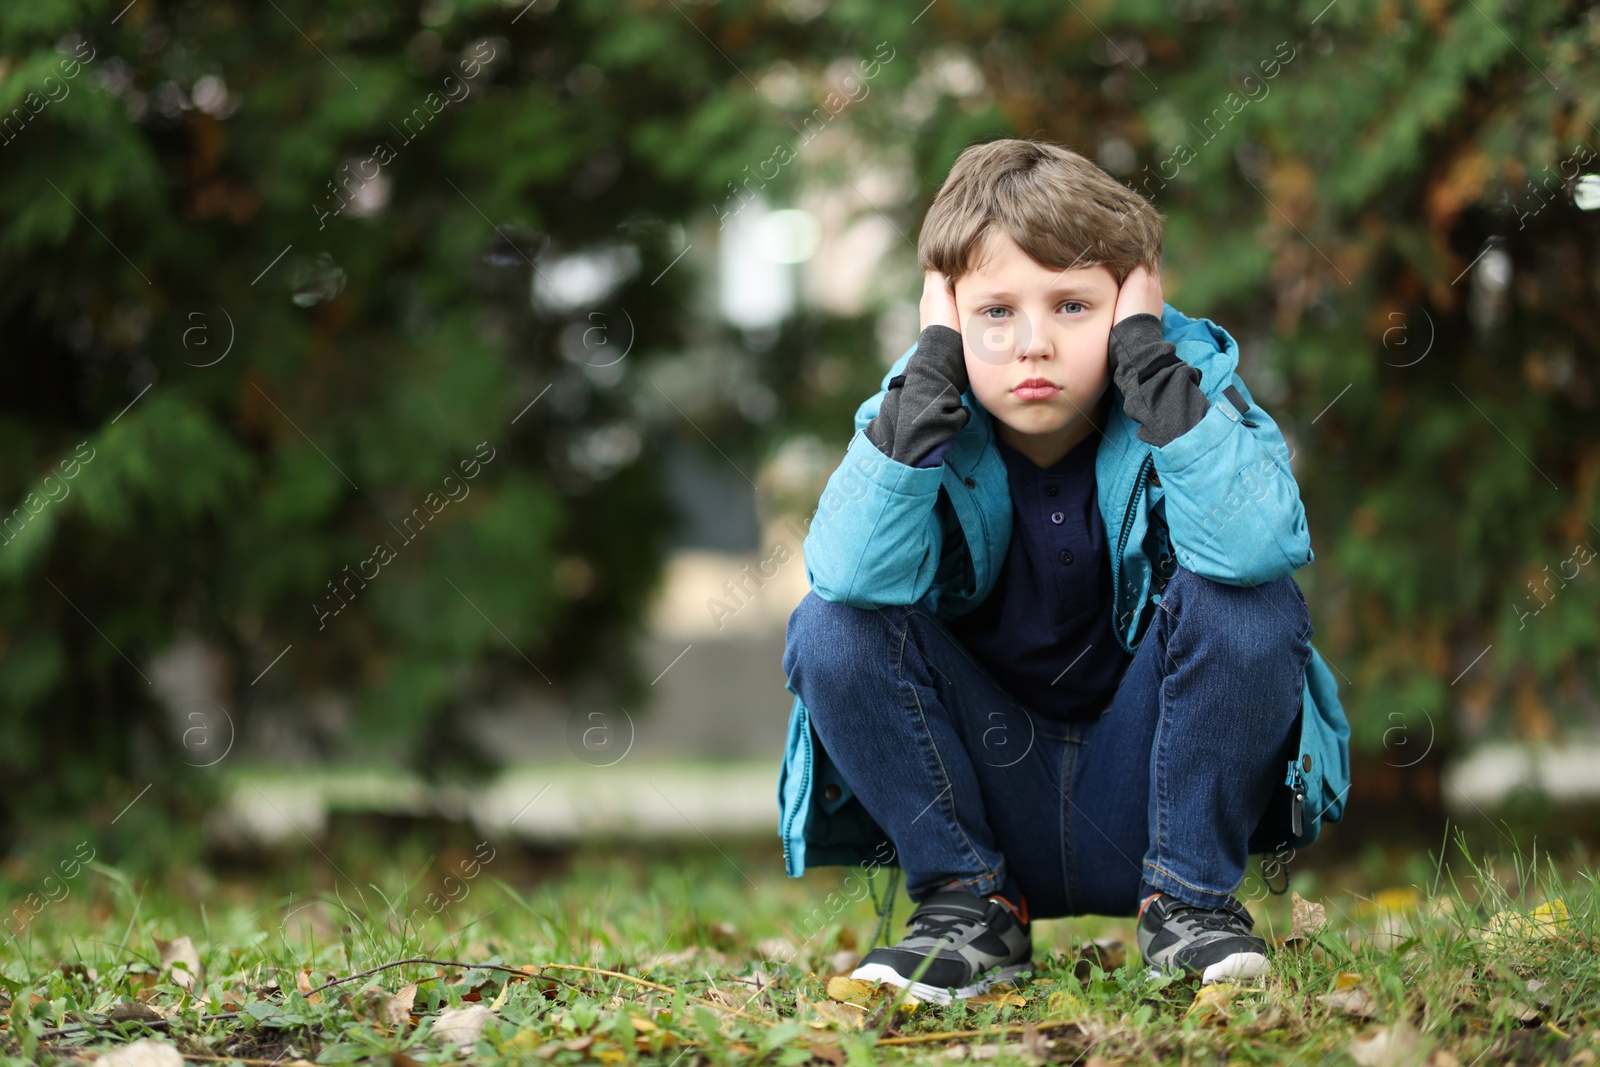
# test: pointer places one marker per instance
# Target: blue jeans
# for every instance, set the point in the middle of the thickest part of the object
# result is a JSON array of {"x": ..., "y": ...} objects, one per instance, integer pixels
[{"x": 1170, "y": 784}]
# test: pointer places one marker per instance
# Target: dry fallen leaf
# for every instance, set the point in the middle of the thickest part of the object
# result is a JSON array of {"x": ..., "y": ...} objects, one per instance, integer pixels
[
  {"x": 1350, "y": 997},
  {"x": 461, "y": 1026},
  {"x": 1272, "y": 1018},
  {"x": 847, "y": 1015},
  {"x": 868, "y": 994},
  {"x": 853, "y": 990},
  {"x": 778, "y": 949},
  {"x": 1034, "y": 1046},
  {"x": 401, "y": 1004},
  {"x": 132, "y": 1011},
  {"x": 1308, "y": 920},
  {"x": 1388, "y": 1046},
  {"x": 181, "y": 963},
  {"x": 1548, "y": 920},
  {"x": 823, "y": 1050},
  {"x": 146, "y": 1053},
  {"x": 1518, "y": 1010},
  {"x": 1212, "y": 1001},
  {"x": 302, "y": 982},
  {"x": 1000, "y": 997}
]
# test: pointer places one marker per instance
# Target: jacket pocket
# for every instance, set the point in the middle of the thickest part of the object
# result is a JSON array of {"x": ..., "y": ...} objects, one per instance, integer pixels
[{"x": 794, "y": 789}]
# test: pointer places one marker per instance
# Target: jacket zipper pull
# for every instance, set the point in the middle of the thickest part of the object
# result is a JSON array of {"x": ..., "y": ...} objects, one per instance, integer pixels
[{"x": 1297, "y": 805}]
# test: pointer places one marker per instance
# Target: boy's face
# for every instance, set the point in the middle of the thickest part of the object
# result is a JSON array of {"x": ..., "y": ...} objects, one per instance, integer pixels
[{"x": 1021, "y": 322}]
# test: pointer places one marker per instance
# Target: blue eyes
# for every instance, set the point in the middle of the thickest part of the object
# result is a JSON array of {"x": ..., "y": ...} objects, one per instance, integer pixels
[{"x": 1075, "y": 307}]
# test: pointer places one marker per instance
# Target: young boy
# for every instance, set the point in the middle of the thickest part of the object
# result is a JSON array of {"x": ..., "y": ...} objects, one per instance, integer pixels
[{"x": 1053, "y": 654}]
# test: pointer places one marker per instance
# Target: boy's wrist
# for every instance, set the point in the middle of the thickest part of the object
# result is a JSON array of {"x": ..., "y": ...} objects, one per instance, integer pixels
[
  {"x": 1159, "y": 391},
  {"x": 922, "y": 408},
  {"x": 940, "y": 350},
  {"x": 1135, "y": 339}
]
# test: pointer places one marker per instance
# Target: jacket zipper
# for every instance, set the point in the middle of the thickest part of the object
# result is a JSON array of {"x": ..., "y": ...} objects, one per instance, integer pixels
[
  {"x": 1296, "y": 782},
  {"x": 805, "y": 778},
  {"x": 1122, "y": 539}
]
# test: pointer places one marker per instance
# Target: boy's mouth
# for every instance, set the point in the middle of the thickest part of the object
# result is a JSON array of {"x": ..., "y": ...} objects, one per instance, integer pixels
[{"x": 1036, "y": 389}]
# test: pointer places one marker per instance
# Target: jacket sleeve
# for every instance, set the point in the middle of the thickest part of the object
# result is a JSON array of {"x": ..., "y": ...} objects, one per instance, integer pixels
[
  {"x": 1232, "y": 506},
  {"x": 875, "y": 539}
]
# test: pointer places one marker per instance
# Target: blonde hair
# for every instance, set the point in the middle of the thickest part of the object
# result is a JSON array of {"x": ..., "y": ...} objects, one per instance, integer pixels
[{"x": 1058, "y": 206}]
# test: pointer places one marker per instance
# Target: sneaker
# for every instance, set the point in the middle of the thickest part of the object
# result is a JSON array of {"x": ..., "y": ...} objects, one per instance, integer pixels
[
  {"x": 985, "y": 942},
  {"x": 1214, "y": 943}
]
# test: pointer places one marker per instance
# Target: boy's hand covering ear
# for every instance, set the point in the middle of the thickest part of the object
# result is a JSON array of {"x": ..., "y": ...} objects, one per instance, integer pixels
[
  {"x": 922, "y": 409},
  {"x": 1159, "y": 391}
]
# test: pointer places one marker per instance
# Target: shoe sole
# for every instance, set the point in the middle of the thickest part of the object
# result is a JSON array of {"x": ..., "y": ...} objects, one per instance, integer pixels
[
  {"x": 1239, "y": 965},
  {"x": 882, "y": 972}
]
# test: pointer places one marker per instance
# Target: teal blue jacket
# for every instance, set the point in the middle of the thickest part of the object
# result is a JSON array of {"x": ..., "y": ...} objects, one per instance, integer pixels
[{"x": 1220, "y": 499}]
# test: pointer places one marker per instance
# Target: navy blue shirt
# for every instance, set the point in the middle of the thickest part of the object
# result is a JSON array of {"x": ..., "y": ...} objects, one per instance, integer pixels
[{"x": 1045, "y": 630}]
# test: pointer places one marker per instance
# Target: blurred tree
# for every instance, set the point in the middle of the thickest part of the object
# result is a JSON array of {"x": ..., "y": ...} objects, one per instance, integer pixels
[
  {"x": 326, "y": 330},
  {"x": 269, "y": 275}
]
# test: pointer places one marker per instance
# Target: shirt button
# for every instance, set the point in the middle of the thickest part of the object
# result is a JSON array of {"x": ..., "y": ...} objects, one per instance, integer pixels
[
  {"x": 1066, "y": 555},
  {"x": 1056, "y": 517},
  {"x": 830, "y": 792},
  {"x": 969, "y": 483},
  {"x": 1051, "y": 490}
]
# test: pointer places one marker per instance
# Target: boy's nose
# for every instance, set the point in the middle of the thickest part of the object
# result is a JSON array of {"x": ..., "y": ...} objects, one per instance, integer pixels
[{"x": 1031, "y": 343}]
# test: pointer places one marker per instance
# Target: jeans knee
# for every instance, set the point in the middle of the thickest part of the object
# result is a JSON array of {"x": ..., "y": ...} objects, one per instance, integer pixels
[
  {"x": 1253, "y": 626},
  {"x": 827, "y": 643}
]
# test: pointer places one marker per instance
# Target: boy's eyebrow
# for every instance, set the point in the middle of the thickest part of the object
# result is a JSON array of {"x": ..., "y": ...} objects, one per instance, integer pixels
[{"x": 1058, "y": 291}]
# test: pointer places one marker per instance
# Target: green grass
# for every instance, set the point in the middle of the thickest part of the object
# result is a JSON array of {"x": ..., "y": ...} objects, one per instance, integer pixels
[{"x": 1445, "y": 964}]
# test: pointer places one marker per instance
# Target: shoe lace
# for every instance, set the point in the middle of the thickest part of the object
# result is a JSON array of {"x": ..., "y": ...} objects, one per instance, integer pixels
[
  {"x": 937, "y": 926},
  {"x": 1223, "y": 920}
]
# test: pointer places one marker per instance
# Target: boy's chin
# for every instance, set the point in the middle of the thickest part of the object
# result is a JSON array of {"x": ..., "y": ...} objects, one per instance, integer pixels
[{"x": 1037, "y": 424}]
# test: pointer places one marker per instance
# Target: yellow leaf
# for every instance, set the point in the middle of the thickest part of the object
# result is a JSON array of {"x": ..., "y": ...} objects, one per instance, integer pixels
[
  {"x": 1389, "y": 901},
  {"x": 851, "y": 990},
  {"x": 867, "y": 994},
  {"x": 1064, "y": 1005},
  {"x": 1213, "y": 999},
  {"x": 608, "y": 1053},
  {"x": 641, "y": 1024},
  {"x": 1550, "y": 918},
  {"x": 999, "y": 998},
  {"x": 1346, "y": 980},
  {"x": 523, "y": 1041},
  {"x": 655, "y": 1041}
]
